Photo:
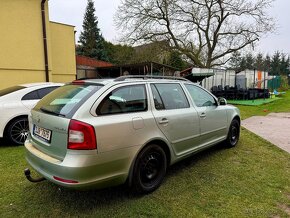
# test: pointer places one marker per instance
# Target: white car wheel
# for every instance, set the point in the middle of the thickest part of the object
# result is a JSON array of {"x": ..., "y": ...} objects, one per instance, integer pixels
[{"x": 18, "y": 130}]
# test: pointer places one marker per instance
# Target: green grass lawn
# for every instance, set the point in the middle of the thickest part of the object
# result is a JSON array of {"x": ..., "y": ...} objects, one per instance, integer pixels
[
  {"x": 251, "y": 180},
  {"x": 280, "y": 105}
]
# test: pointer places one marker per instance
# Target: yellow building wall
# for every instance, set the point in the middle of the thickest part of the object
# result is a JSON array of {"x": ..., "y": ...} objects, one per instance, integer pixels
[
  {"x": 21, "y": 50},
  {"x": 15, "y": 77},
  {"x": 62, "y": 52},
  {"x": 21, "y": 44}
]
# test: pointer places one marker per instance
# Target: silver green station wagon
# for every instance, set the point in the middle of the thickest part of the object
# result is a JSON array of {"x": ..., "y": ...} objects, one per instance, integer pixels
[{"x": 99, "y": 133}]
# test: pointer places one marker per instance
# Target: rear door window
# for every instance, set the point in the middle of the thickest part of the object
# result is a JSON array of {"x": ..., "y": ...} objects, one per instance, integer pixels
[
  {"x": 128, "y": 99},
  {"x": 43, "y": 92},
  {"x": 31, "y": 96},
  {"x": 169, "y": 96},
  {"x": 65, "y": 100},
  {"x": 38, "y": 94}
]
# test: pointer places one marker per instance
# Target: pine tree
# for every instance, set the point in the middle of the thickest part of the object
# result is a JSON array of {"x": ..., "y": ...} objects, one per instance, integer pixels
[
  {"x": 275, "y": 63},
  {"x": 91, "y": 40},
  {"x": 267, "y": 64},
  {"x": 284, "y": 64},
  {"x": 249, "y": 61},
  {"x": 259, "y": 62},
  {"x": 243, "y": 64},
  {"x": 235, "y": 62},
  {"x": 288, "y": 66}
]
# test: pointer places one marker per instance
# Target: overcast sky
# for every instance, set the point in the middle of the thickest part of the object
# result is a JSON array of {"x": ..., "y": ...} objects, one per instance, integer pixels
[{"x": 72, "y": 12}]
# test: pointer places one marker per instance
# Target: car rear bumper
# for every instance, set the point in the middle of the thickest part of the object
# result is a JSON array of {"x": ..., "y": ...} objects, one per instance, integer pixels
[{"x": 85, "y": 170}]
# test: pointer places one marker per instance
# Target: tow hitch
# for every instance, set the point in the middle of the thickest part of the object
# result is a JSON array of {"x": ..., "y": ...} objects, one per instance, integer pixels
[{"x": 28, "y": 176}]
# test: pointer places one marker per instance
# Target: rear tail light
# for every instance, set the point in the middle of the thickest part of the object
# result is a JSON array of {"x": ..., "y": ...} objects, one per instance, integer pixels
[{"x": 81, "y": 136}]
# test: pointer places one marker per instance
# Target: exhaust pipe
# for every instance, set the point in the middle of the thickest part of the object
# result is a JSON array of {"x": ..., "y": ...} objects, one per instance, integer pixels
[{"x": 28, "y": 176}]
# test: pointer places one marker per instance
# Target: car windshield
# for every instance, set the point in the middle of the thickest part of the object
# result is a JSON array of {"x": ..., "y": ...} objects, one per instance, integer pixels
[
  {"x": 10, "y": 90},
  {"x": 66, "y": 99}
]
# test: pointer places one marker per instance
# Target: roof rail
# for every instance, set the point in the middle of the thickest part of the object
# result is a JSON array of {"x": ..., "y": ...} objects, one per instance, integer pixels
[{"x": 123, "y": 78}]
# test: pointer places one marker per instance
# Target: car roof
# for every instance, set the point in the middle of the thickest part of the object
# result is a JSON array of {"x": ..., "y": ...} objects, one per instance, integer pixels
[
  {"x": 143, "y": 78},
  {"x": 27, "y": 85}
]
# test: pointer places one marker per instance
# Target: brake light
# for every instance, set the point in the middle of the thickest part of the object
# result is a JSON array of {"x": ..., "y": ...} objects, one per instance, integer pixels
[
  {"x": 81, "y": 136},
  {"x": 78, "y": 82}
]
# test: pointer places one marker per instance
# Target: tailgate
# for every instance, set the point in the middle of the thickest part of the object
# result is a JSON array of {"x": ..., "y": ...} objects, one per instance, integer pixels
[{"x": 49, "y": 133}]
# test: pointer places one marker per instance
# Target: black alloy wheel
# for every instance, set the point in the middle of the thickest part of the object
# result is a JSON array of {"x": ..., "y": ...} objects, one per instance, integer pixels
[
  {"x": 18, "y": 130},
  {"x": 234, "y": 134},
  {"x": 150, "y": 169}
]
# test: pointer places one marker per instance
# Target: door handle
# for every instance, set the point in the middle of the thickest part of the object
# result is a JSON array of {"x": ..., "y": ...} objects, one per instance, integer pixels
[
  {"x": 202, "y": 115},
  {"x": 163, "y": 121}
]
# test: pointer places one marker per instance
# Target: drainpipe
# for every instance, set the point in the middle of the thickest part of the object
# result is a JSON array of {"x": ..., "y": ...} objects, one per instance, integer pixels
[{"x": 44, "y": 40}]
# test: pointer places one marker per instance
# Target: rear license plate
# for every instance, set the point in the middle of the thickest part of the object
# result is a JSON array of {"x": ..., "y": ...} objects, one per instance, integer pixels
[{"x": 42, "y": 133}]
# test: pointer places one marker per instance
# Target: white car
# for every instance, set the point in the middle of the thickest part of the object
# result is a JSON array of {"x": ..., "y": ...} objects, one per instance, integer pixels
[{"x": 15, "y": 105}]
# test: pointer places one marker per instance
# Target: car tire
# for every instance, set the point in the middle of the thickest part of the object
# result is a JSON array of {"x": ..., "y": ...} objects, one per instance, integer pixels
[
  {"x": 18, "y": 130},
  {"x": 233, "y": 134},
  {"x": 149, "y": 169}
]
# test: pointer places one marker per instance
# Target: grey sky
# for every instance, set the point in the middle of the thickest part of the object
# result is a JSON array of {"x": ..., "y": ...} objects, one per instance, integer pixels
[{"x": 72, "y": 12}]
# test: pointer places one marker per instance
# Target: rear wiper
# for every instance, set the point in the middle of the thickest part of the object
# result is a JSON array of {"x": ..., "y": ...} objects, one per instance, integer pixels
[{"x": 51, "y": 112}]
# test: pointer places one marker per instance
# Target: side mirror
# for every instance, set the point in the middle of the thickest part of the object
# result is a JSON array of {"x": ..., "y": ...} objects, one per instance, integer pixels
[{"x": 222, "y": 101}]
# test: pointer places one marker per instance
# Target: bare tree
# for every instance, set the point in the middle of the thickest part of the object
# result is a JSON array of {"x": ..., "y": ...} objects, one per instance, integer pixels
[{"x": 205, "y": 31}]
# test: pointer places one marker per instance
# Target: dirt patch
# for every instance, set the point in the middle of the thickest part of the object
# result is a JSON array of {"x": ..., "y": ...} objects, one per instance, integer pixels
[{"x": 285, "y": 208}]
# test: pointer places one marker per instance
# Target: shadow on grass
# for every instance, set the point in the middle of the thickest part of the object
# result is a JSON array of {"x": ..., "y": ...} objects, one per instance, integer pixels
[
  {"x": 5, "y": 143},
  {"x": 193, "y": 159},
  {"x": 84, "y": 201}
]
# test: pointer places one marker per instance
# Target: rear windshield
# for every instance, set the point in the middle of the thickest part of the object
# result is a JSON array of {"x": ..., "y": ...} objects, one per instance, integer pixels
[
  {"x": 65, "y": 100},
  {"x": 10, "y": 90}
]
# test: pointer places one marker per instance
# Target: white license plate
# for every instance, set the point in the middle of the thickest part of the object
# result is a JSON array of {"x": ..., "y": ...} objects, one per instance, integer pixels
[{"x": 42, "y": 133}]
